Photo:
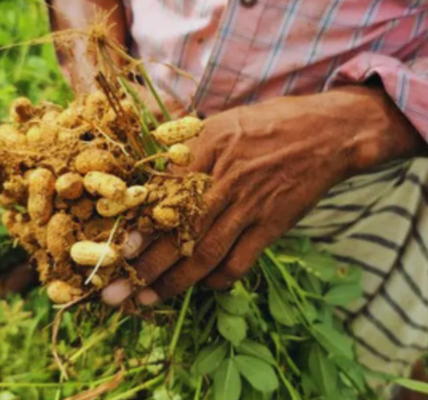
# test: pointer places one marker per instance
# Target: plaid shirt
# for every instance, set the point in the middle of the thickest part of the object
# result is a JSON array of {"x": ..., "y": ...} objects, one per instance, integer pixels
[{"x": 240, "y": 54}]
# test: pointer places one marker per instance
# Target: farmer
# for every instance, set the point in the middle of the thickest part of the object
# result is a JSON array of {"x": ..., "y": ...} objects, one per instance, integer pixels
[{"x": 317, "y": 117}]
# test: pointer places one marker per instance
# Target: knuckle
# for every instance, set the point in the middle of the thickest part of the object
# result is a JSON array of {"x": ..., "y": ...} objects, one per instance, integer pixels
[{"x": 211, "y": 251}]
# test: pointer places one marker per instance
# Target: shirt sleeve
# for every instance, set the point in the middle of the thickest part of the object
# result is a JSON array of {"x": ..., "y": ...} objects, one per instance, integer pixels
[{"x": 406, "y": 82}]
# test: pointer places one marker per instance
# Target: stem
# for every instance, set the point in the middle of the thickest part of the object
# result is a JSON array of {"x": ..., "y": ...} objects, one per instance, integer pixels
[
  {"x": 150, "y": 158},
  {"x": 147, "y": 385},
  {"x": 199, "y": 388},
  {"x": 180, "y": 322},
  {"x": 146, "y": 78},
  {"x": 288, "y": 385}
]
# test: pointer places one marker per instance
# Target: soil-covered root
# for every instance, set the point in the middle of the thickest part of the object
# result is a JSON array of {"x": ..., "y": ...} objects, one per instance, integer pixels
[{"x": 73, "y": 192}]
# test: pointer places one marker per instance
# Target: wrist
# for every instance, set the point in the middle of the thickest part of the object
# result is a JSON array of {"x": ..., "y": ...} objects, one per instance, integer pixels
[{"x": 375, "y": 130}]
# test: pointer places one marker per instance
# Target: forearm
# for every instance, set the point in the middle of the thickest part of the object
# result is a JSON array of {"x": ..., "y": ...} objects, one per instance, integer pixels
[{"x": 80, "y": 14}]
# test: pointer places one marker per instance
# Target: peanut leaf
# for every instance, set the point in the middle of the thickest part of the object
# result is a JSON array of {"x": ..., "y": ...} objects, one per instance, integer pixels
[{"x": 227, "y": 382}]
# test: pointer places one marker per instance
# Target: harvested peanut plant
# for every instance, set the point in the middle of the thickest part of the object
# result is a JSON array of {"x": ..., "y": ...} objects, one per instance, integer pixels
[{"x": 75, "y": 182}]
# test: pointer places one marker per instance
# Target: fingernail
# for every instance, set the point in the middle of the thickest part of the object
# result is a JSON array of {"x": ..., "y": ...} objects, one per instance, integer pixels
[
  {"x": 117, "y": 292},
  {"x": 134, "y": 243},
  {"x": 148, "y": 297}
]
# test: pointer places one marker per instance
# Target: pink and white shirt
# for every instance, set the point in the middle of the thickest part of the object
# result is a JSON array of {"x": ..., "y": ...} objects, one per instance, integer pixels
[{"x": 248, "y": 51}]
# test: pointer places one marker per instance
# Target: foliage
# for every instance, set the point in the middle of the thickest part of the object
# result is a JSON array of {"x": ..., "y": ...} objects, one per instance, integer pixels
[
  {"x": 27, "y": 70},
  {"x": 228, "y": 346}
]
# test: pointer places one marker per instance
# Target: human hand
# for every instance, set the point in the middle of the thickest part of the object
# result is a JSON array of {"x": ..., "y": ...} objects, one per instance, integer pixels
[
  {"x": 17, "y": 280},
  {"x": 270, "y": 164}
]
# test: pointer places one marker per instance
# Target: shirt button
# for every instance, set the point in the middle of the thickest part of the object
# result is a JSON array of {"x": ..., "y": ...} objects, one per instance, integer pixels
[{"x": 248, "y": 3}]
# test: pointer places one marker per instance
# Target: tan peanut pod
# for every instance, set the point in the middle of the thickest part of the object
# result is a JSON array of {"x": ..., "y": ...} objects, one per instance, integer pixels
[
  {"x": 166, "y": 217},
  {"x": 42, "y": 135},
  {"x": 69, "y": 118},
  {"x": 60, "y": 236},
  {"x": 61, "y": 292},
  {"x": 11, "y": 137},
  {"x": 97, "y": 281},
  {"x": 134, "y": 196},
  {"x": 89, "y": 254},
  {"x": 69, "y": 186},
  {"x": 178, "y": 131},
  {"x": 21, "y": 110},
  {"x": 34, "y": 135},
  {"x": 50, "y": 116},
  {"x": 180, "y": 154},
  {"x": 95, "y": 105},
  {"x": 95, "y": 160},
  {"x": 110, "y": 208},
  {"x": 83, "y": 209},
  {"x": 40, "y": 197},
  {"x": 104, "y": 185}
]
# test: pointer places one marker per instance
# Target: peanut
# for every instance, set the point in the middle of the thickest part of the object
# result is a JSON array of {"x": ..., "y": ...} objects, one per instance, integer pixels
[
  {"x": 10, "y": 136},
  {"x": 134, "y": 196},
  {"x": 21, "y": 110},
  {"x": 61, "y": 292},
  {"x": 166, "y": 217},
  {"x": 105, "y": 185},
  {"x": 95, "y": 160},
  {"x": 179, "y": 154},
  {"x": 60, "y": 236},
  {"x": 89, "y": 254},
  {"x": 69, "y": 186},
  {"x": 40, "y": 198},
  {"x": 178, "y": 131}
]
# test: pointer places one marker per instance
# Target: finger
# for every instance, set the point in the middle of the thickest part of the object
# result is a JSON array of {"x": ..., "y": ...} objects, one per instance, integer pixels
[
  {"x": 116, "y": 292},
  {"x": 136, "y": 242},
  {"x": 208, "y": 254},
  {"x": 164, "y": 253},
  {"x": 240, "y": 259},
  {"x": 18, "y": 280}
]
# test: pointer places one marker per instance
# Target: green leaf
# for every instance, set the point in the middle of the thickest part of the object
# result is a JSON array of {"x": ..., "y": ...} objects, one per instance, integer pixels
[
  {"x": 342, "y": 295},
  {"x": 227, "y": 382},
  {"x": 279, "y": 306},
  {"x": 322, "y": 371},
  {"x": 251, "y": 348},
  {"x": 321, "y": 265},
  {"x": 411, "y": 384},
  {"x": 8, "y": 396},
  {"x": 353, "y": 372},
  {"x": 210, "y": 358},
  {"x": 237, "y": 304},
  {"x": 347, "y": 274},
  {"x": 232, "y": 327},
  {"x": 334, "y": 341},
  {"x": 259, "y": 374}
]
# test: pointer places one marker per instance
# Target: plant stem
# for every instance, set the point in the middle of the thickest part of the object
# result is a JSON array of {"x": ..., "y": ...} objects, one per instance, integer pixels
[
  {"x": 293, "y": 393},
  {"x": 180, "y": 322},
  {"x": 147, "y": 385},
  {"x": 199, "y": 388},
  {"x": 146, "y": 78}
]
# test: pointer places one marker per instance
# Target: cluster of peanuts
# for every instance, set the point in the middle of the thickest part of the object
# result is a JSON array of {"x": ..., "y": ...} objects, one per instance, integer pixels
[{"x": 49, "y": 209}]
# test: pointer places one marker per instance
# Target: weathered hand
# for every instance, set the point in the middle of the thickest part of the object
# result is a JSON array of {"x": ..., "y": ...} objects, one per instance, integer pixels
[
  {"x": 19, "y": 279},
  {"x": 271, "y": 163}
]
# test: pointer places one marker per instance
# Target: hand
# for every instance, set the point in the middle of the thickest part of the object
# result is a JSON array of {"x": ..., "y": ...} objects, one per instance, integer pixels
[
  {"x": 19, "y": 279},
  {"x": 271, "y": 163}
]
